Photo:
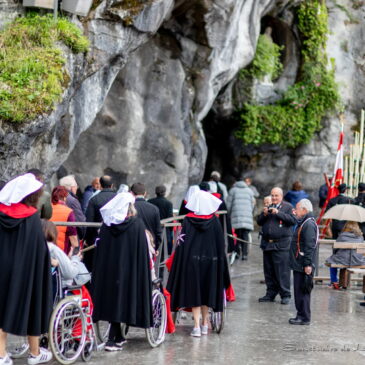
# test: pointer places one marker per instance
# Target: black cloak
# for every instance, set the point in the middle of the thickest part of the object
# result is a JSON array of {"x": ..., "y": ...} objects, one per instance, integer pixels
[
  {"x": 25, "y": 276},
  {"x": 121, "y": 282},
  {"x": 199, "y": 272}
]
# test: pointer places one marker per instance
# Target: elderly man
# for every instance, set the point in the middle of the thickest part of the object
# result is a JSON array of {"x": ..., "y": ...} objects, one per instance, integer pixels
[
  {"x": 216, "y": 186},
  {"x": 302, "y": 252},
  {"x": 276, "y": 221},
  {"x": 72, "y": 202}
]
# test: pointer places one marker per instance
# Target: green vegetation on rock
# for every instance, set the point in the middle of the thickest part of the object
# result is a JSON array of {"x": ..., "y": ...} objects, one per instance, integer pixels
[
  {"x": 266, "y": 61},
  {"x": 294, "y": 119},
  {"x": 32, "y": 73}
]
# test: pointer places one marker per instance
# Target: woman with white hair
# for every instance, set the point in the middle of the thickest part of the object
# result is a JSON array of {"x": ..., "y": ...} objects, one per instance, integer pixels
[
  {"x": 199, "y": 272},
  {"x": 25, "y": 270}
]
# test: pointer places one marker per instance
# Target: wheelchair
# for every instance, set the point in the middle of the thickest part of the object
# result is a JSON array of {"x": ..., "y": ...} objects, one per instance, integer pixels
[
  {"x": 216, "y": 319},
  {"x": 155, "y": 334},
  {"x": 71, "y": 331}
]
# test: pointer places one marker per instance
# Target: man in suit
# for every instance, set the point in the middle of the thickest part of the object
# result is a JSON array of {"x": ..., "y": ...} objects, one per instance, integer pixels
[
  {"x": 277, "y": 223},
  {"x": 93, "y": 215},
  {"x": 147, "y": 212},
  {"x": 166, "y": 211}
]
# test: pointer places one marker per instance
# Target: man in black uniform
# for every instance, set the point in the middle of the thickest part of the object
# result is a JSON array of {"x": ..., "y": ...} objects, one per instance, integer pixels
[
  {"x": 277, "y": 221},
  {"x": 339, "y": 199},
  {"x": 302, "y": 252},
  {"x": 166, "y": 211},
  {"x": 148, "y": 213}
]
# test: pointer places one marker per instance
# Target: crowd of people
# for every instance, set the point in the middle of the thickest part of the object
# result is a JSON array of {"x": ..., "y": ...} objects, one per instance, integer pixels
[{"x": 120, "y": 255}]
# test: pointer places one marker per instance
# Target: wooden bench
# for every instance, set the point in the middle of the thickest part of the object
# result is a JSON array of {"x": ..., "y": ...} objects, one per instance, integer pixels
[{"x": 347, "y": 270}]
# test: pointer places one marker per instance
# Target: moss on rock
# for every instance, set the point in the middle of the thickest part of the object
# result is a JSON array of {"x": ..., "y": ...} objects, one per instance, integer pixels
[{"x": 32, "y": 73}]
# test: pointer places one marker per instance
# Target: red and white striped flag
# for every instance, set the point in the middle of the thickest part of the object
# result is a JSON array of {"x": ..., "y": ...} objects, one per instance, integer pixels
[
  {"x": 337, "y": 177},
  {"x": 338, "y": 172}
]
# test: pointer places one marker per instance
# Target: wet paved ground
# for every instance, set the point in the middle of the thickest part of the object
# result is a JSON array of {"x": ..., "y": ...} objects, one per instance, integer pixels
[{"x": 259, "y": 333}]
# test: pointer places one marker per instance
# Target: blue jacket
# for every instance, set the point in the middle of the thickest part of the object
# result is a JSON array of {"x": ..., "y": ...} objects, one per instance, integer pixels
[{"x": 293, "y": 197}]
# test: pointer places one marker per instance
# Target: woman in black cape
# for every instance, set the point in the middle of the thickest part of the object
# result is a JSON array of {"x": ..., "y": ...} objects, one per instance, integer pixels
[
  {"x": 25, "y": 270},
  {"x": 199, "y": 273},
  {"x": 122, "y": 288}
]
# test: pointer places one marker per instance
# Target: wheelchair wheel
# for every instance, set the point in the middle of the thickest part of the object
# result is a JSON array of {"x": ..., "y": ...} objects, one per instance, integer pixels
[
  {"x": 67, "y": 331},
  {"x": 102, "y": 330},
  {"x": 217, "y": 319},
  {"x": 124, "y": 328},
  {"x": 156, "y": 334},
  {"x": 87, "y": 351},
  {"x": 18, "y": 347}
]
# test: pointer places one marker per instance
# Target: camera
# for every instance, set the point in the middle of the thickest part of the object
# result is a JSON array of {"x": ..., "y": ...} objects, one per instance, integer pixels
[{"x": 271, "y": 207}]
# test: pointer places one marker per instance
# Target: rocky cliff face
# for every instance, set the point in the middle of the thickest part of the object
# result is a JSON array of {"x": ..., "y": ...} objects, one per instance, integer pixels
[{"x": 137, "y": 100}]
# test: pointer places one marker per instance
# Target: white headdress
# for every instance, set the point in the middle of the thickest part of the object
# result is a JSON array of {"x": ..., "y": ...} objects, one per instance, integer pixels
[
  {"x": 115, "y": 211},
  {"x": 203, "y": 203},
  {"x": 17, "y": 189},
  {"x": 192, "y": 189}
]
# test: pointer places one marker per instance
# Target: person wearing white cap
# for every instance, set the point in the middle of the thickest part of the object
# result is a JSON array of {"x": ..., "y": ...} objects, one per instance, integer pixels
[
  {"x": 121, "y": 286},
  {"x": 25, "y": 270},
  {"x": 192, "y": 189},
  {"x": 199, "y": 272}
]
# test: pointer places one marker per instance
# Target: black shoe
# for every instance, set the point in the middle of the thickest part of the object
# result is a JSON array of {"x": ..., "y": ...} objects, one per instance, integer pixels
[
  {"x": 244, "y": 258},
  {"x": 298, "y": 321},
  {"x": 112, "y": 346},
  {"x": 285, "y": 300},
  {"x": 362, "y": 304},
  {"x": 266, "y": 298}
]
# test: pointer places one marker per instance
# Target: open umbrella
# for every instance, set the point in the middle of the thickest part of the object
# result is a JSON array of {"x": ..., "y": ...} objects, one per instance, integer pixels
[{"x": 346, "y": 212}]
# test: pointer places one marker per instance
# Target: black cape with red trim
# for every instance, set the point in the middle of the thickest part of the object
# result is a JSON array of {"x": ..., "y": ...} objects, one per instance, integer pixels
[
  {"x": 121, "y": 281},
  {"x": 199, "y": 273},
  {"x": 25, "y": 273}
]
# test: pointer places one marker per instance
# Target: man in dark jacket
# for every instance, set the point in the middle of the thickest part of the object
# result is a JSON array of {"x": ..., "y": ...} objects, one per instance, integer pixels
[
  {"x": 339, "y": 199},
  {"x": 93, "y": 215},
  {"x": 302, "y": 252},
  {"x": 166, "y": 211},
  {"x": 276, "y": 221},
  {"x": 148, "y": 213}
]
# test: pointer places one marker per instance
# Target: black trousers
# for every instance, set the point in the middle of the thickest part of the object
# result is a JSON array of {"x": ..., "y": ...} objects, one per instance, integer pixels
[
  {"x": 243, "y": 235},
  {"x": 277, "y": 273},
  {"x": 302, "y": 300}
]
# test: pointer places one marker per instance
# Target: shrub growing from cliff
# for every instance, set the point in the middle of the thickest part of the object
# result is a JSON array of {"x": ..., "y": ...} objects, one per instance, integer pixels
[
  {"x": 32, "y": 74},
  {"x": 297, "y": 116}
]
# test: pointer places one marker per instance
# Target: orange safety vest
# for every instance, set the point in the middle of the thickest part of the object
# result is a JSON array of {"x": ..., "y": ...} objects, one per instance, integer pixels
[{"x": 60, "y": 213}]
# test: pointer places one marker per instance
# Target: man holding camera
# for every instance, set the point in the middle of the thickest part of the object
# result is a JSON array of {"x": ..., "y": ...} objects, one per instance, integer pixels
[{"x": 277, "y": 223}]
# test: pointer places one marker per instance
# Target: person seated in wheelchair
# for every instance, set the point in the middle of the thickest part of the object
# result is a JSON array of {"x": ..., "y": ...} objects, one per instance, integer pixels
[
  {"x": 71, "y": 269},
  {"x": 199, "y": 272},
  {"x": 122, "y": 286}
]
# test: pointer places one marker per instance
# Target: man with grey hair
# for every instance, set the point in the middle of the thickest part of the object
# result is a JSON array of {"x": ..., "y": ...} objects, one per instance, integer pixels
[
  {"x": 72, "y": 202},
  {"x": 302, "y": 253},
  {"x": 277, "y": 221},
  {"x": 216, "y": 186}
]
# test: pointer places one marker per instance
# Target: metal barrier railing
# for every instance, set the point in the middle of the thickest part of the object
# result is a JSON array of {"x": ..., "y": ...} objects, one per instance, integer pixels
[{"x": 163, "y": 249}]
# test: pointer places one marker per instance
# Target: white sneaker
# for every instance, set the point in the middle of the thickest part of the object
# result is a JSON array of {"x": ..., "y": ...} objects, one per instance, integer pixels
[
  {"x": 6, "y": 360},
  {"x": 196, "y": 332},
  {"x": 44, "y": 356},
  {"x": 204, "y": 330}
]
